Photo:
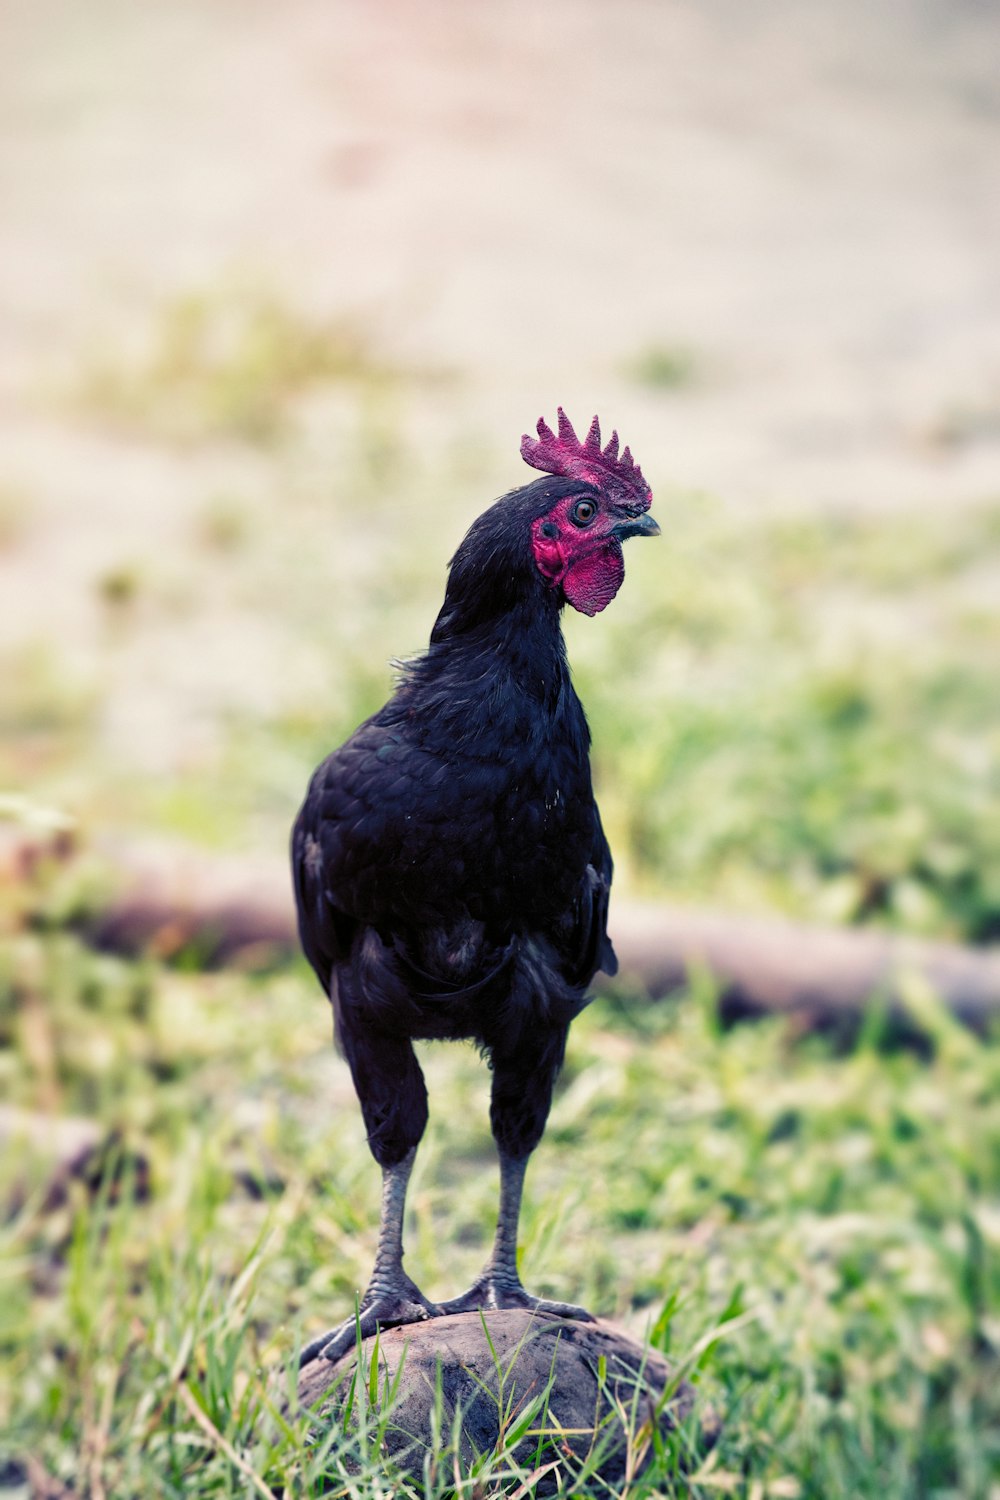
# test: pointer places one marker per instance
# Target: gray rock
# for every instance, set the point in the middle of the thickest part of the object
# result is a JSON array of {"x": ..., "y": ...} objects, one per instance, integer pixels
[{"x": 599, "y": 1394}]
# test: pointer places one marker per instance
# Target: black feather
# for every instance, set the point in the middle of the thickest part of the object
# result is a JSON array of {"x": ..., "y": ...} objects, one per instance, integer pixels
[{"x": 451, "y": 872}]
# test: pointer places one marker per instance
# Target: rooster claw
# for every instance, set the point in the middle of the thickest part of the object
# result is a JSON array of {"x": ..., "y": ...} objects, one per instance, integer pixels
[
  {"x": 487, "y": 1295},
  {"x": 383, "y": 1312}
]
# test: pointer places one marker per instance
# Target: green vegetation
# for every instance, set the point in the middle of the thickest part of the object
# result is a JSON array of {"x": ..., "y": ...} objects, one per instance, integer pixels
[
  {"x": 838, "y": 1213},
  {"x": 789, "y": 714},
  {"x": 225, "y": 363},
  {"x": 664, "y": 367},
  {"x": 822, "y": 733}
]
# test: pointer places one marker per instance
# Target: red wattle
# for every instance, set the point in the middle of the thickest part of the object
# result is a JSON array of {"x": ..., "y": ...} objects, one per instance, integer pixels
[{"x": 592, "y": 581}]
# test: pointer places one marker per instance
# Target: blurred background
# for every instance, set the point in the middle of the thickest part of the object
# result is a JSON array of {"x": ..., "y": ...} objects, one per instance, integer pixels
[
  {"x": 280, "y": 289},
  {"x": 280, "y": 292}
]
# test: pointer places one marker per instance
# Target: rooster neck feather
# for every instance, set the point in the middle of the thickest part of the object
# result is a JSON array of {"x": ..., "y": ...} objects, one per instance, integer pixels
[{"x": 496, "y": 655}]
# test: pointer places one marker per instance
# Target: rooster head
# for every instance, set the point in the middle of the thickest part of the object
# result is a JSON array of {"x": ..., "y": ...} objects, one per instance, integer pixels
[{"x": 577, "y": 544}]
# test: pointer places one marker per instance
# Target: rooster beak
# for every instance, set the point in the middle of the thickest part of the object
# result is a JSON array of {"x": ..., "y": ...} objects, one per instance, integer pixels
[{"x": 636, "y": 526}]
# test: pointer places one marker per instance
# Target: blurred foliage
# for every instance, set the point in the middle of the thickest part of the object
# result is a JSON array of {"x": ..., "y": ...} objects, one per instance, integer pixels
[
  {"x": 15, "y": 516},
  {"x": 228, "y": 362},
  {"x": 664, "y": 367},
  {"x": 824, "y": 730},
  {"x": 43, "y": 700},
  {"x": 789, "y": 712}
]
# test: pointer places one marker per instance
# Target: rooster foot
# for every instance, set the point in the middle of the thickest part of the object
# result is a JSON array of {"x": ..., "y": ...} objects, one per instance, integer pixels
[
  {"x": 490, "y": 1293},
  {"x": 386, "y": 1310}
]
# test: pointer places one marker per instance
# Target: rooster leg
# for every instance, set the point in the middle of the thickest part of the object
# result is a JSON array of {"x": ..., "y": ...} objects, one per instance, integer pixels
[
  {"x": 393, "y": 1100},
  {"x": 499, "y": 1285},
  {"x": 391, "y": 1297},
  {"x": 522, "y": 1094}
]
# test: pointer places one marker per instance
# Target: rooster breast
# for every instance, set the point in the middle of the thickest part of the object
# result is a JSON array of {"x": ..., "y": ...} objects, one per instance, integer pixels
[{"x": 411, "y": 830}]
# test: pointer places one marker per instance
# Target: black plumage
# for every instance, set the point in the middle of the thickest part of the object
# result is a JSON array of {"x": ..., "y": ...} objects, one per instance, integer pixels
[{"x": 451, "y": 871}]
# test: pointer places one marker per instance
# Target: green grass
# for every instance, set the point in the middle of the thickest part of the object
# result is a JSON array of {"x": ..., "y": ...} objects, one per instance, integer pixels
[{"x": 842, "y": 1208}]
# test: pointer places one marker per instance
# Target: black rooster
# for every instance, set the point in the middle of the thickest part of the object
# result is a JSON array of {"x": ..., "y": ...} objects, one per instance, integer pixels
[{"x": 451, "y": 872}]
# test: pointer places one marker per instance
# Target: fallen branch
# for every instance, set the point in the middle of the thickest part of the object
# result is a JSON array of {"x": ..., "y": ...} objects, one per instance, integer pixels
[
  {"x": 166, "y": 900},
  {"x": 828, "y": 977}
]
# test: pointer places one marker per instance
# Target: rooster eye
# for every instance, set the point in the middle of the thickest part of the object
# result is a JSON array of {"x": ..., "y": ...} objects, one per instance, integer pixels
[{"x": 583, "y": 512}]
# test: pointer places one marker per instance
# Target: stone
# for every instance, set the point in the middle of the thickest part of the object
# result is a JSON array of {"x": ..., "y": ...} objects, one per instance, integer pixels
[{"x": 601, "y": 1392}]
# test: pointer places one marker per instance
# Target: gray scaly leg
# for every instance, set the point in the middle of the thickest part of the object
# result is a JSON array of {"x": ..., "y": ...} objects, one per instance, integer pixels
[
  {"x": 391, "y": 1297},
  {"x": 499, "y": 1285}
]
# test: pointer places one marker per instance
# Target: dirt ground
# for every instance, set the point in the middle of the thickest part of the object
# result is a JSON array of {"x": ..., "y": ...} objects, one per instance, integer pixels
[{"x": 796, "y": 203}]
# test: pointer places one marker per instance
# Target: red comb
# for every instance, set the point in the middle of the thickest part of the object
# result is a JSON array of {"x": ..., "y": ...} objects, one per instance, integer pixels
[{"x": 619, "y": 475}]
